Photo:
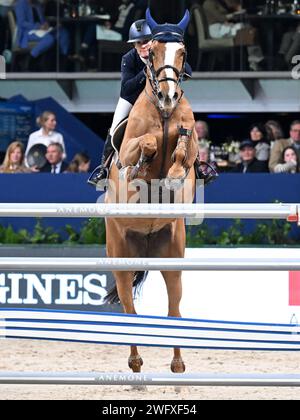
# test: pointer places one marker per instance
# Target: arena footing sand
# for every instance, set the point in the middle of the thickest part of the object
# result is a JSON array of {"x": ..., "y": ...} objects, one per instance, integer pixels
[{"x": 43, "y": 356}]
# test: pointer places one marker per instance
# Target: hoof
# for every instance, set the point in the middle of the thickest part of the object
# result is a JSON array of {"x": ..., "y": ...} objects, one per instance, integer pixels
[
  {"x": 148, "y": 145},
  {"x": 135, "y": 363},
  {"x": 177, "y": 366},
  {"x": 174, "y": 184}
]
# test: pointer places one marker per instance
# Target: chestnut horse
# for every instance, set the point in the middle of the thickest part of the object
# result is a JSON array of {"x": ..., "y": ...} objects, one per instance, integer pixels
[{"x": 160, "y": 142}]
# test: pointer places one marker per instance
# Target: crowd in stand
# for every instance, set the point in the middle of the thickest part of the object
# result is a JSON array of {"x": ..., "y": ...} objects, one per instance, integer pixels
[
  {"x": 39, "y": 32},
  {"x": 45, "y": 152},
  {"x": 264, "y": 149}
]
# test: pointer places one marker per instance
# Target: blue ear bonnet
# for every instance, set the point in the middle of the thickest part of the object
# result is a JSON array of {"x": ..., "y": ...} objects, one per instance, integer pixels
[{"x": 168, "y": 32}]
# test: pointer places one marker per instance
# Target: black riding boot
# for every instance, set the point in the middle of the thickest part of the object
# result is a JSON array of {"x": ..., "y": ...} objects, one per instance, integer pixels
[{"x": 101, "y": 172}]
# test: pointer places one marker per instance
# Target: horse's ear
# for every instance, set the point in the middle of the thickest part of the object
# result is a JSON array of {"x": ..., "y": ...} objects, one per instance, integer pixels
[
  {"x": 184, "y": 21},
  {"x": 149, "y": 19}
]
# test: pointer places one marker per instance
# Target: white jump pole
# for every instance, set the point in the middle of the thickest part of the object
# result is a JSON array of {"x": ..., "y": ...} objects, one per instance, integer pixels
[
  {"x": 145, "y": 264},
  {"x": 64, "y": 378},
  {"x": 209, "y": 211}
]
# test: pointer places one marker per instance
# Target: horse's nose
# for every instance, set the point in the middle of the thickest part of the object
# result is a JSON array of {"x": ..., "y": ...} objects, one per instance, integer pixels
[{"x": 168, "y": 101}]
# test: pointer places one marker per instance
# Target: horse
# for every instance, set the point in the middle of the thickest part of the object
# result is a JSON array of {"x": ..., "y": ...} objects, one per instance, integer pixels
[{"x": 160, "y": 142}]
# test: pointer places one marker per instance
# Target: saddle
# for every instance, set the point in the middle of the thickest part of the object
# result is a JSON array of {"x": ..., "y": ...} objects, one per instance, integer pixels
[{"x": 118, "y": 135}]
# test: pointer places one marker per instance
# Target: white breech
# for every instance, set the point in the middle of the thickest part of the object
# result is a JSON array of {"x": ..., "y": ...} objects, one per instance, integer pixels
[{"x": 122, "y": 111}]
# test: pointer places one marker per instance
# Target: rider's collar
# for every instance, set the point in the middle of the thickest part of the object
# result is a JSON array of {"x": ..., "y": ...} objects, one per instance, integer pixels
[{"x": 144, "y": 60}]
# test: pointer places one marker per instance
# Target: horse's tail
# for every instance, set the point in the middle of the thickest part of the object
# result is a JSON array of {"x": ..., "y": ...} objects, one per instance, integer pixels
[{"x": 138, "y": 279}]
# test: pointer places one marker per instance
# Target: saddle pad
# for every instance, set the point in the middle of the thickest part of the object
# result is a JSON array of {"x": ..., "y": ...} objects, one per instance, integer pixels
[{"x": 118, "y": 134}]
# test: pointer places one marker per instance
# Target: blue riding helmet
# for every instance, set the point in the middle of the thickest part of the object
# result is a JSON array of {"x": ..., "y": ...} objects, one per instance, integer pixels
[{"x": 139, "y": 31}]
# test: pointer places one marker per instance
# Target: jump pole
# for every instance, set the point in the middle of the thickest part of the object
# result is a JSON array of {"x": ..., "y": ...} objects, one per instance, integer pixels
[
  {"x": 208, "y": 211},
  {"x": 145, "y": 264},
  {"x": 174, "y": 379}
]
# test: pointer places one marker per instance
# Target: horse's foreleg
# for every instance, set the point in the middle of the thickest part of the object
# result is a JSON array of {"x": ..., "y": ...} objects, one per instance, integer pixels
[
  {"x": 138, "y": 151},
  {"x": 174, "y": 289},
  {"x": 124, "y": 282}
]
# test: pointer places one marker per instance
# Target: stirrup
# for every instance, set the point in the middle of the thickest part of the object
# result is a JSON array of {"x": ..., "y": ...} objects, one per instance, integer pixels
[
  {"x": 98, "y": 177},
  {"x": 206, "y": 171}
]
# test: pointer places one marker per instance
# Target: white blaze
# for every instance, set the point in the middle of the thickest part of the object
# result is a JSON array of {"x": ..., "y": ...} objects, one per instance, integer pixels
[{"x": 171, "y": 48}]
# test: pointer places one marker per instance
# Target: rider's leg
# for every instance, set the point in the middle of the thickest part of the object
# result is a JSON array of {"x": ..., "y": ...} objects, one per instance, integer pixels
[{"x": 122, "y": 111}]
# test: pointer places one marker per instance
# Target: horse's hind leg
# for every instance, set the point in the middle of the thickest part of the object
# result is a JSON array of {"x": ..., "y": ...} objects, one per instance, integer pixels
[
  {"x": 124, "y": 282},
  {"x": 174, "y": 289}
]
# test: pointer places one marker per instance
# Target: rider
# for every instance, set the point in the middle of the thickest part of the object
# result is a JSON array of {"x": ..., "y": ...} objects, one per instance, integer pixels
[{"x": 133, "y": 81}]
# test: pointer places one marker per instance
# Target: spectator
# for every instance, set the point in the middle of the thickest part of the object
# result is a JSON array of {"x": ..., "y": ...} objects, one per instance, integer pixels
[
  {"x": 116, "y": 31},
  {"x": 290, "y": 161},
  {"x": 203, "y": 153},
  {"x": 80, "y": 163},
  {"x": 219, "y": 14},
  {"x": 32, "y": 26},
  {"x": 46, "y": 134},
  {"x": 204, "y": 164},
  {"x": 55, "y": 163},
  {"x": 14, "y": 159},
  {"x": 289, "y": 47},
  {"x": 249, "y": 163},
  {"x": 258, "y": 134},
  {"x": 202, "y": 130},
  {"x": 274, "y": 129},
  {"x": 5, "y": 7},
  {"x": 280, "y": 145}
]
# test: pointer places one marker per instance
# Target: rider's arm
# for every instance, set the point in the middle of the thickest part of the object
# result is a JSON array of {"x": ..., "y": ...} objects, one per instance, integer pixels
[
  {"x": 131, "y": 80},
  {"x": 187, "y": 71}
]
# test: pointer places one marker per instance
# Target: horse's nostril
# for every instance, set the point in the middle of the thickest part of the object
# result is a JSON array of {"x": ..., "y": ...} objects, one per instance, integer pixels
[
  {"x": 175, "y": 96},
  {"x": 160, "y": 95}
]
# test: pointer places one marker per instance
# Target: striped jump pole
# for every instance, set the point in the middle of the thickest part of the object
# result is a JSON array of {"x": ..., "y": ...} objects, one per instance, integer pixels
[{"x": 124, "y": 329}]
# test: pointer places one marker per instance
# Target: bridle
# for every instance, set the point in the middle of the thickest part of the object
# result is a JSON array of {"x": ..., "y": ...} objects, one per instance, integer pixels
[{"x": 153, "y": 77}]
